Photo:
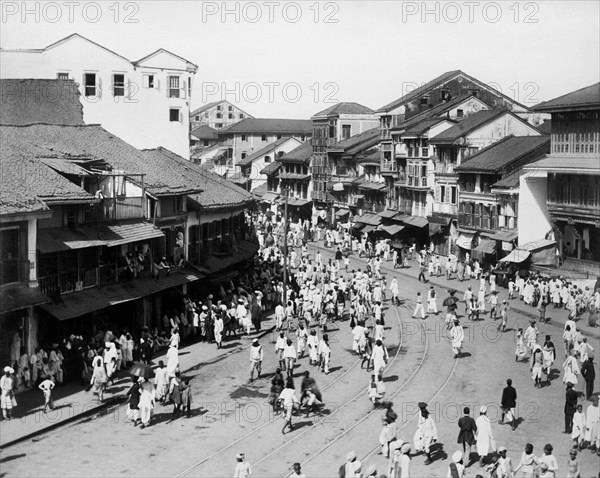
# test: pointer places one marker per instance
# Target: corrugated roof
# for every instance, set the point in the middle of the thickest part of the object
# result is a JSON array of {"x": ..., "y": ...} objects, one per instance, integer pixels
[
  {"x": 25, "y": 102},
  {"x": 443, "y": 78},
  {"x": 347, "y": 108},
  {"x": 509, "y": 181},
  {"x": 437, "y": 111},
  {"x": 301, "y": 154},
  {"x": 420, "y": 127},
  {"x": 271, "y": 168},
  {"x": 467, "y": 125},
  {"x": 205, "y": 132},
  {"x": 217, "y": 192},
  {"x": 584, "y": 98},
  {"x": 358, "y": 142},
  {"x": 269, "y": 126},
  {"x": 570, "y": 164},
  {"x": 505, "y": 152}
]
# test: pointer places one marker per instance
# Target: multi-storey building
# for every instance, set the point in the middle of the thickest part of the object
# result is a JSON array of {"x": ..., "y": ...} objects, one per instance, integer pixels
[
  {"x": 560, "y": 194},
  {"x": 217, "y": 115},
  {"x": 484, "y": 209},
  {"x": 145, "y": 102},
  {"x": 203, "y": 137}
]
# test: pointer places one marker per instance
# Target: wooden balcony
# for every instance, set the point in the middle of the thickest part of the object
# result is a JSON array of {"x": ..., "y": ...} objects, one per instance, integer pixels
[
  {"x": 589, "y": 208},
  {"x": 444, "y": 169}
]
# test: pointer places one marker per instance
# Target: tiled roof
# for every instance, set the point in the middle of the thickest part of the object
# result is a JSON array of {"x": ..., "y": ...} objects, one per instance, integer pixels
[
  {"x": 370, "y": 157},
  {"x": 420, "y": 127},
  {"x": 444, "y": 77},
  {"x": 545, "y": 127},
  {"x": 358, "y": 142},
  {"x": 501, "y": 154},
  {"x": 584, "y": 98},
  {"x": 270, "y": 148},
  {"x": 271, "y": 168},
  {"x": 301, "y": 154},
  {"x": 566, "y": 164},
  {"x": 509, "y": 181},
  {"x": 345, "y": 108},
  {"x": 94, "y": 142},
  {"x": 207, "y": 106},
  {"x": 467, "y": 125},
  {"x": 25, "y": 102},
  {"x": 269, "y": 126},
  {"x": 217, "y": 192},
  {"x": 205, "y": 132},
  {"x": 436, "y": 111}
]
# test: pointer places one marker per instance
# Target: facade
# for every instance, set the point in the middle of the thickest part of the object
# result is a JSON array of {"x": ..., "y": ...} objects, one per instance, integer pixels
[
  {"x": 202, "y": 138},
  {"x": 293, "y": 180},
  {"x": 217, "y": 115},
  {"x": 144, "y": 102},
  {"x": 560, "y": 194}
]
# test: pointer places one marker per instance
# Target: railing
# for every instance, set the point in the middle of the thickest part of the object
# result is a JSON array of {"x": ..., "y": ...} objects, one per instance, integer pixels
[
  {"x": 389, "y": 166},
  {"x": 126, "y": 208},
  {"x": 585, "y": 203},
  {"x": 401, "y": 150},
  {"x": 445, "y": 208},
  {"x": 442, "y": 168},
  {"x": 12, "y": 271},
  {"x": 418, "y": 182},
  {"x": 66, "y": 282}
]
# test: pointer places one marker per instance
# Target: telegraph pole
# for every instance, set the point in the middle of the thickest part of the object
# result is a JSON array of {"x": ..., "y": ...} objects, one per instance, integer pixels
[{"x": 285, "y": 248}]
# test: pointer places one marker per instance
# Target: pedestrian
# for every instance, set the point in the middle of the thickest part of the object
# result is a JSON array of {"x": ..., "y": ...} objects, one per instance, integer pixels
[
  {"x": 301, "y": 337},
  {"x": 503, "y": 315},
  {"x": 297, "y": 471},
  {"x": 456, "y": 469},
  {"x": 494, "y": 304},
  {"x": 348, "y": 469},
  {"x": 186, "y": 398},
  {"x": 289, "y": 355},
  {"x": 521, "y": 350},
  {"x": 289, "y": 402},
  {"x": 324, "y": 353},
  {"x": 535, "y": 365},
  {"x": 432, "y": 301},
  {"x": 256, "y": 358},
  {"x": 279, "y": 349},
  {"x": 46, "y": 387},
  {"x": 175, "y": 394},
  {"x": 99, "y": 378},
  {"x": 422, "y": 268},
  {"x": 379, "y": 357},
  {"x": 592, "y": 426},
  {"x": 571, "y": 369},
  {"x": 589, "y": 375},
  {"x": 147, "y": 397},
  {"x": 457, "y": 335},
  {"x": 505, "y": 466},
  {"x": 310, "y": 394},
  {"x": 528, "y": 462},
  {"x": 426, "y": 433},
  {"x": 466, "y": 435},
  {"x": 277, "y": 384},
  {"x": 548, "y": 462},
  {"x": 399, "y": 466},
  {"x": 172, "y": 361},
  {"x": 161, "y": 381},
  {"x": 419, "y": 306},
  {"x": 574, "y": 465},
  {"x": 313, "y": 347},
  {"x": 548, "y": 357},
  {"x": 509, "y": 404},
  {"x": 242, "y": 468},
  {"x": 218, "y": 327},
  {"x": 485, "y": 438},
  {"x": 570, "y": 407},
  {"x": 578, "y": 433},
  {"x": 133, "y": 406}
]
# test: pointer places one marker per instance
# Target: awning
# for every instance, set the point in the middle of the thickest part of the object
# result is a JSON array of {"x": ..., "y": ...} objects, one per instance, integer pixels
[
  {"x": 372, "y": 186},
  {"x": 541, "y": 244},
  {"x": 297, "y": 202},
  {"x": 20, "y": 298},
  {"x": 55, "y": 240},
  {"x": 416, "y": 221},
  {"x": 342, "y": 213},
  {"x": 269, "y": 196},
  {"x": 358, "y": 226},
  {"x": 465, "y": 241},
  {"x": 436, "y": 229},
  {"x": 517, "y": 256},
  {"x": 370, "y": 219},
  {"x": 338, "y": 186},
  {"x": 222, "y": 277},
  {"x": 505, "y": 236},
  {"x": 393, "y": 229},
  {"x": 485, "y": 246},
  {"x": 369, "y": 229},
  {"x": 89, "y": 300},
  {"x": 388, "y": 214}
]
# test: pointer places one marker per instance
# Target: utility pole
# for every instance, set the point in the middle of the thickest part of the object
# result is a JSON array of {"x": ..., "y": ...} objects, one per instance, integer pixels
[{"x": 285, "y": 248}]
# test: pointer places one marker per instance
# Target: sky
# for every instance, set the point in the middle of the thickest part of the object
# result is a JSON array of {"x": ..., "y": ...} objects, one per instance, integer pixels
[{"x": 293, "y": 59}]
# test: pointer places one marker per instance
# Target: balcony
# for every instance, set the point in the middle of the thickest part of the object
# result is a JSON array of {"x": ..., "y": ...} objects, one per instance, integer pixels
[
  {"x": 371, "y": 206},
  {"x": 389, "y": 166},
  {"x": 66, "y": 282},
  {"x": 445, "y": 208},
  {"x": 417, "y": 182},
  {"x": 585, "y": 207},
  {"x": 400, "y": 150},
  {"x": 444, "y": 169},
  {"x": 13, "y": 271},
  {"x": 319, "y": 195}
]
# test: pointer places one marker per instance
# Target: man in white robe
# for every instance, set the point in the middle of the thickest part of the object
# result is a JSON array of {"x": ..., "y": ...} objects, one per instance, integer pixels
[
  {"x": 457, "y": 334},
  {"x": 592, "y": 425},
  {"x": 485, "y": 438}
]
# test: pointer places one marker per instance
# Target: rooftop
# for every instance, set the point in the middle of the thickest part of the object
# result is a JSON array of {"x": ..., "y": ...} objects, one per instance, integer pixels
[
  {"x": 566, "y": 164},
  {"x": 205, "y": 132},
  {"x": 269, "y": 149},
  {"x": 208, "y": 106},
  {"x": 421, "y": 127},
  {"x": 586, "y": 98},
  {"x": 468, "y": 125},
  {"x": 358, "y": 142},
  {"x": 345, "y": 108},
  {"x": 503, "y": 153},
  {"x": 509, "y": 181},
  {"x": 301, "y": 154},
  {"x": 25, "y": 102},
  {"x": 269, "y": 126}
]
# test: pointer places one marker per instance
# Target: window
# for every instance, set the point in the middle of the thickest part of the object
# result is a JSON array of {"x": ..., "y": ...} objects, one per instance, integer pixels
[
  {"x": 218, "y": 107},
  {"x": 425, "y": 152},
  {"x": 62, "y": 76},
  {"x": 89, "y": 82},
  {"x": 241, "y": 115},
  {"x": 173, "y": 90},
  {"x": 244, "y": 154},
  {"x": 264, "y": 137},
  {"x": 278, "y": 136},
  {"x": 118, "y": 84},
  {"x": 205, "y": 142},
  {"x": 218, "y": 125},
  {"x": 197, "y": 117},
  {"x": 174, "y": 115},
  {"x": 9, "y": 255},
  {"x": 244, "y": 138},
  {"x": 346, "y": 131},
  {"x": 230, "y": 116},
  {"x": 150, "y": 81},
  {"x": 460, "y": 113},
  {"x": 332, "y": 129},
  {"x": 230, "y": 108},
  {"x": 453, "y": 198},
  {"x": 424, "y": 100},
  {"x": 303, "y": 138},
  {"x": 219, "y": 115},
  {"x": 267, "y": 159},
  {"x": 206, "y": 114},
  {"x": 445, "y": 95}
]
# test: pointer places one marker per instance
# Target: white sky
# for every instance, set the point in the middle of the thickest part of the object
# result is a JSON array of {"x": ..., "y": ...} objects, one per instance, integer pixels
[{"x": 372, "y": 55}]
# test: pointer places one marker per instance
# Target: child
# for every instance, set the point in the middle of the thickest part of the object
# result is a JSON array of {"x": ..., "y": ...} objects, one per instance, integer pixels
[
  {"x": 574, "y": 464},
  {"x": 186, "y": 398},
  {"x": 578, "y": 429},
  {"x": 46, "y": 386}
]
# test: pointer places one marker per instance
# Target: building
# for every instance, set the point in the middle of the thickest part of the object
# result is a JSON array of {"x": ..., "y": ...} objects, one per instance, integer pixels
[
  {"x": 488, "y": 212},
  {"x": 250, "y": 135},
  {"x": 251, "y": 166},
  {"x": 203, "y": 137},
  {"x": 560, "y": 194},
  {"x": 293, "y": 180},
  {"x": 145, "y": 102},
  {"x": 217, "y": 115}
]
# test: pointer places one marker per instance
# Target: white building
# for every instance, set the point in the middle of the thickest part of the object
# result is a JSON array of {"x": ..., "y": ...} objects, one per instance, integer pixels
[
  {"x": 218, "y": 114},
  {"x": 144, "y": 102}
]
